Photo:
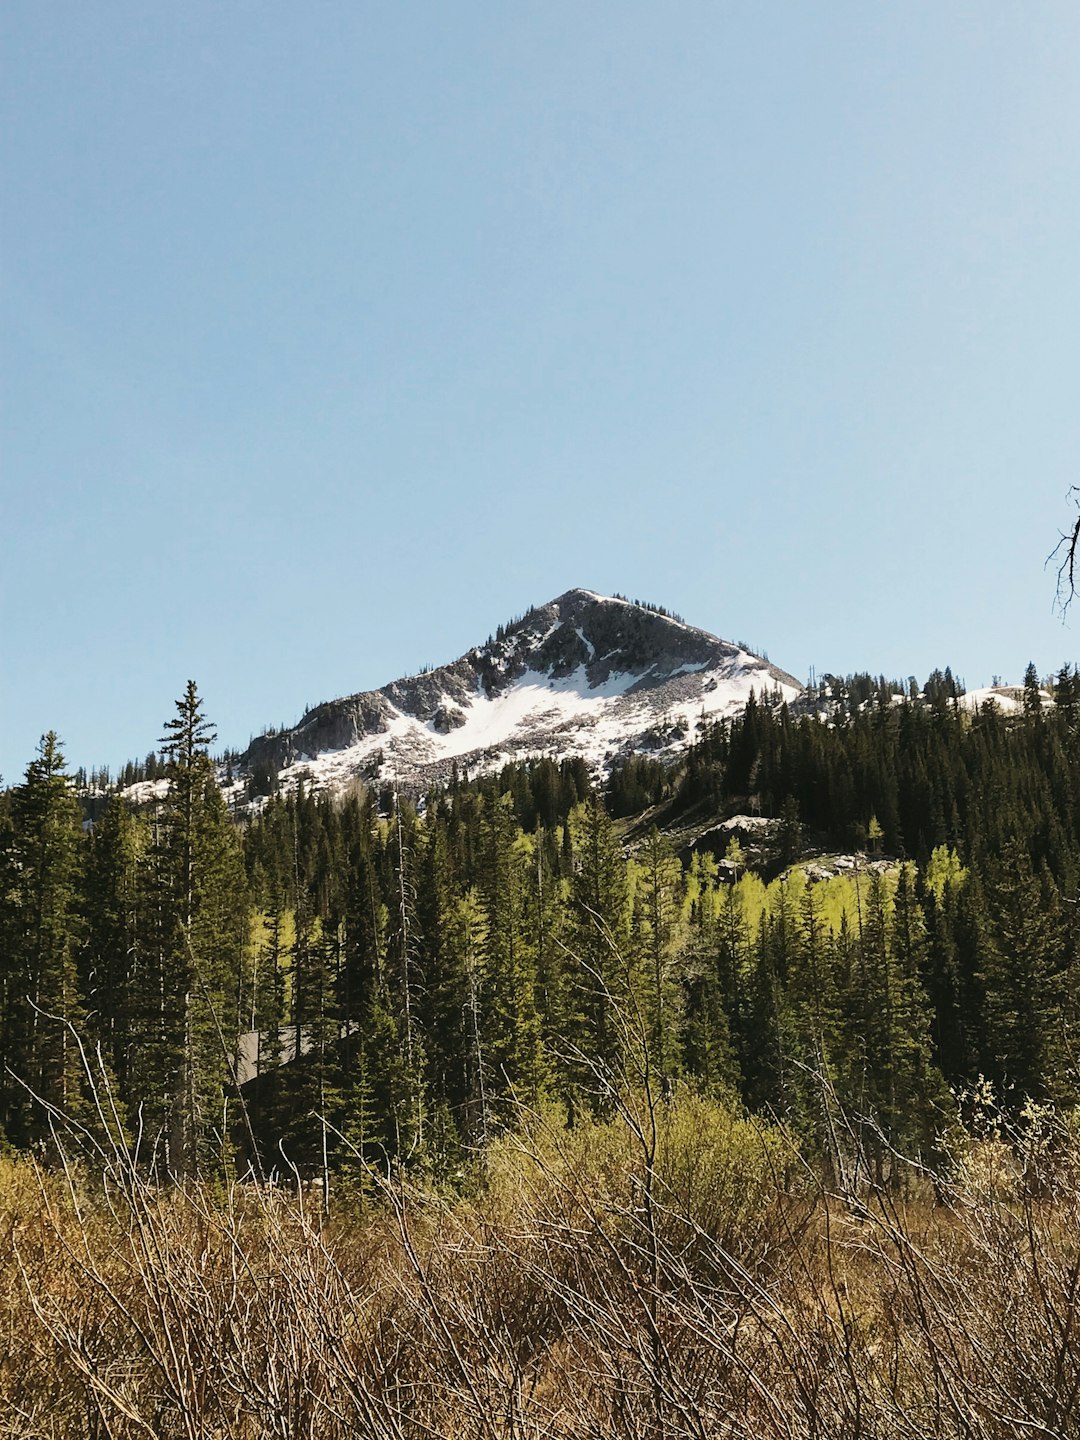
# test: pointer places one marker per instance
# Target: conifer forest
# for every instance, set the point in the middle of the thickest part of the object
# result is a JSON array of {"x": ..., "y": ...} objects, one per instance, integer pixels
[{"x": 732, "y": 1095}]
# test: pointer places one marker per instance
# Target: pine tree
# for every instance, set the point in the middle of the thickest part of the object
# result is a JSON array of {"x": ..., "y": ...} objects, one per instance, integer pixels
[
  {"x": 199, "y": 895},
  {"x": 872, "y": 1000},
  {"x": 443, "y": 1000},
  {"x": 312, "y": 1080},
  {"x": 734, "y": 962},
  {"x": 113, "y": 958},
  {"x": 511, "y": 1019},
  {"x": 545, "y": 924},
  {"x": 900, "y": 1086},
  {"x": 12, "y": 983},
  {"x": 467, "y": 936},
  {"x": 407, "y": 980},
  {"x": 920, "y": 1091},
  {"x": 599, "y": 943},
  {"x": 657, "y": 887},
  {"x": 815, "y": 1021},
  {"x": 707, "y": 1004},
  {"x": 1026, "y": 978},
  {"x": 769, "y": 1038},
  {"x": 42, "y": 1006},
  {"x": 1032, "y": 691},
  {"x": 789, "y": 833}
]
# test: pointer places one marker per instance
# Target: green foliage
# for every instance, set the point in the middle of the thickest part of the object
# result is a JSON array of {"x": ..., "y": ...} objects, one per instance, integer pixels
[
  {"x": 42, "y": 929},
  {"x": 944, "y": 871},
  {"x": 415, "y": 982},
  {"x": 714, "y": 1170}
]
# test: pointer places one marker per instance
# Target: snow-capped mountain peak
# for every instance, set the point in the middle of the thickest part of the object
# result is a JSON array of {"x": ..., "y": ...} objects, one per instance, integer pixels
[{"x": 585, "y": 674}]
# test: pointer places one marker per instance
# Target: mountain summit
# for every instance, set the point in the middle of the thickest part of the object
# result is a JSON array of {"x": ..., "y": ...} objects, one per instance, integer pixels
[{"x": 585, "y": 674}]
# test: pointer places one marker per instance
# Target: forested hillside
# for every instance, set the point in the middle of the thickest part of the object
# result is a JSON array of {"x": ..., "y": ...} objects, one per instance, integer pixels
[{"x": 344, "y": 979}]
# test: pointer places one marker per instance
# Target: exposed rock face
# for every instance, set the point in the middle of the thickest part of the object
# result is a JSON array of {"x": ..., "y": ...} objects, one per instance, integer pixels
[
  {"x": 584, "y": 674},
  {"x": 333, "y": 726}
]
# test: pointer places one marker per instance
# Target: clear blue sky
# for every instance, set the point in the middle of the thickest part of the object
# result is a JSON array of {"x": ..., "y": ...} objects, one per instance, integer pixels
[{"x": 334, "y": 334}]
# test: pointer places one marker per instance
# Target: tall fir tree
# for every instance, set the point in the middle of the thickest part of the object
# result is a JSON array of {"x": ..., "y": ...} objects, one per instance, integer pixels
[
  {"x": 1028, "y": 983},
  {"x": 188, "y": 1046},
  {"x": 600, "y": 950},
  {"x": 43, "y": 1010},
  {"x": 656, "y": 923},
  {"x": 113, "y": 960},
  {"x": 511, "y": 1020}
]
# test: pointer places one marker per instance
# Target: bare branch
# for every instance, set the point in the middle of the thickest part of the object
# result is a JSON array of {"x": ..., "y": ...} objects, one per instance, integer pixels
[{"x": 1065, "y": 552}]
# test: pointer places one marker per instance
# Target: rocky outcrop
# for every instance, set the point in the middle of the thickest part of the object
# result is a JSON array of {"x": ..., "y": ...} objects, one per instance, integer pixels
[{"x": 593, "y": 674}]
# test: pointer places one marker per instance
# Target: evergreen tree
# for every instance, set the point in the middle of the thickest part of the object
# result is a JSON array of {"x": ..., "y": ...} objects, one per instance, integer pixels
[
  {"x": 511, "y": 1019},
  {"x": 467, "y": 936},
  {"x": 444, "y": 1000},
  {"x": 657, "y": 880},
  {"x": 42, "y": 1007},
  {"x": 1032, "y": 690},
  {"x": 919, "y": 1089},
  {"x": 769, "y": 1038},
  {"x": 266, "y": 1016},
  {"x": 762, "y": 1023},
  {"x": 113, "y": 957},
  {"x": 599, "y": 944},
  {"x": 545, "y": 926},
  {"x": 658, "y": 883},
  {"x": 708, "y": 995},
  {"x": 734, "y": 970},
  {"x": 1027, "y": 979},
  {"x": 188, "y": 1045},
  {"x": 815, "y": 1023},
  {"x": 407, "y": 981}
]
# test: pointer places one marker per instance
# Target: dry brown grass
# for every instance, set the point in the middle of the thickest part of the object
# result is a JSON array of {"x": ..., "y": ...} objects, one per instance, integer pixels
[{"x": 673, "y": 1273}]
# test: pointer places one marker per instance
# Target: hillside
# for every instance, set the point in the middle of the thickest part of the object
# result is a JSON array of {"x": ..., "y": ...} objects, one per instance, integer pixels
[{"x": 585, "y": 674}]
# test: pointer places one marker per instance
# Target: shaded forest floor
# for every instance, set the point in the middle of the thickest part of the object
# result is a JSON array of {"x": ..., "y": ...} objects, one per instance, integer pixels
[{"x": 674, "y": 1271}]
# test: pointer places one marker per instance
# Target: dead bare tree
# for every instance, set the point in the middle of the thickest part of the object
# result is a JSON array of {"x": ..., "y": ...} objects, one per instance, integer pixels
[{"x": 1065, "y": 553}]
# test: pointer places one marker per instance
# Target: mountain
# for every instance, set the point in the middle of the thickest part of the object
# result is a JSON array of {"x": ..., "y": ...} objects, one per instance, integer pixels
[{"x": 585, "y": 674}]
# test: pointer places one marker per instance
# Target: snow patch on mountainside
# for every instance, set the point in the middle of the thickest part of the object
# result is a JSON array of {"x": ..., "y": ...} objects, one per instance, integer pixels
[
  {"x": 539, "y": 715},
  {"x": 1008, "y": 698},
  {"x": 586, "y": 675},
  {"x": 146, "y": 792}
]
